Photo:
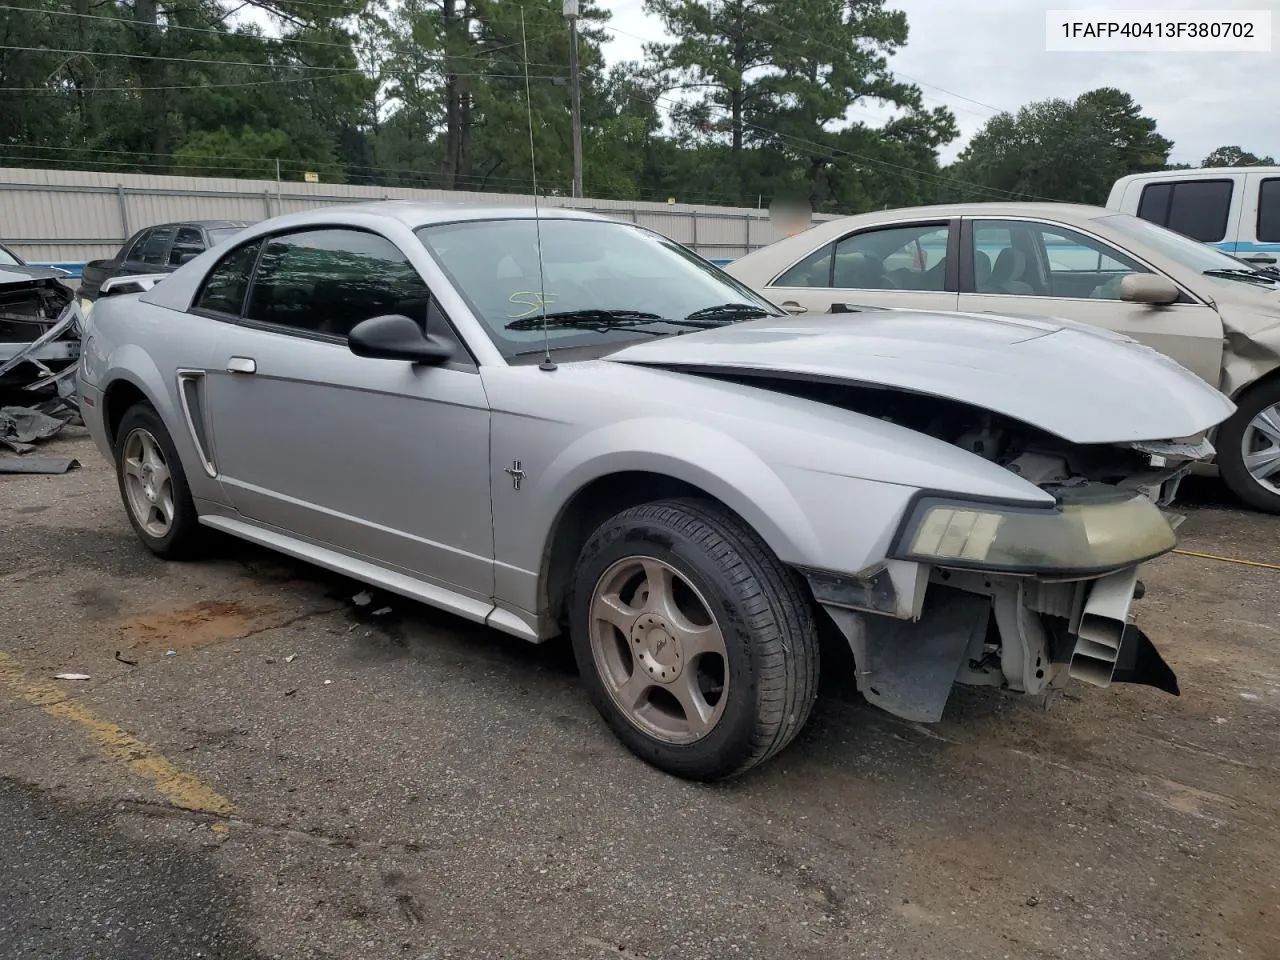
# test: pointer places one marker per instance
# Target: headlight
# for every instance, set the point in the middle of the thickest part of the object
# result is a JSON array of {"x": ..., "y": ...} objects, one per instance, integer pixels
[{"x": 1087, "y": 537}]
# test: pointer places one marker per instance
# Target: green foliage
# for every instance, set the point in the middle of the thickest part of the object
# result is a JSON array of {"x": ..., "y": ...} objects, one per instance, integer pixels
[
  {"x": 1064, "y": 150},
  {"x": 1235, "y": 157},
  {"x": 754, "y": 100}
]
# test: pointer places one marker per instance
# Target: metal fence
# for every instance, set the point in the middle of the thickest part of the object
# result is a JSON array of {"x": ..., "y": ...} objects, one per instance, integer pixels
[{"x": 67, "y": 217}]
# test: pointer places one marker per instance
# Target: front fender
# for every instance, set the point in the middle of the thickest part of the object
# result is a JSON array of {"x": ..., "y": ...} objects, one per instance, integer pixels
[{"x": 702, "y": 456}]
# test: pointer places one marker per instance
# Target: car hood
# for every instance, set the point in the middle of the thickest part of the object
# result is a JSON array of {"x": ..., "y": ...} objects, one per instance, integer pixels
[
  {"x": 1075, "y": 381},
  {"x": 11, "y": 273}
]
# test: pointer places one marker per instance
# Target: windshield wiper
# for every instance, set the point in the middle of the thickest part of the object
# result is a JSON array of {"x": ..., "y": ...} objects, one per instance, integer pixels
[
  {"x": 599, "y": 321},
  {"x": 729, "y": 312},
  {"x": 1241, "y": 273}
]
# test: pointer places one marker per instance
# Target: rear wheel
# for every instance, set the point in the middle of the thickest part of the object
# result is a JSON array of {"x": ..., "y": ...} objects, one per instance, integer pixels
[
  {"x": 1249, "y": 448},
  {"x": 153, "y": 485},
  {"x": 697, "y": 646}
]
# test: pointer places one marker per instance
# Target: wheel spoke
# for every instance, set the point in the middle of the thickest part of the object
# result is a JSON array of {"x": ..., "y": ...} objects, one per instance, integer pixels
[
  {"x": 695, "y": 639},
  {"x": 1264, "y": 463},
  {"x": 160, "y": 476},
  {"x": 133, "y": 467},
  {"x": 661, "y": 594},
  {"x": 1267, "y": 423},
  {"x": 631, "y": 693},
  {"x": 164, "y": 504},
  {"x": 610, "y": 608},
  {"x": 697, "y": 711}
]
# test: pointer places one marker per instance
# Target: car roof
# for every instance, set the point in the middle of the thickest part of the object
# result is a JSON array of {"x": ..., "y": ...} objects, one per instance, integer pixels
[
  {"x": 207, "y": 224},
  {"x": 419, "y": 213}
]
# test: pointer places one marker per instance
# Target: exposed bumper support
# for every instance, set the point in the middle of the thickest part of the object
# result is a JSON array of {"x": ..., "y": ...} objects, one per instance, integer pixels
[{"x": 1018, "y": 633}]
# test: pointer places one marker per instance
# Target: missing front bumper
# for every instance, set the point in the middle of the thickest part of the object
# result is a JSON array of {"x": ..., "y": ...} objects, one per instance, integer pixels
[{"x": 1018, "y": 633}]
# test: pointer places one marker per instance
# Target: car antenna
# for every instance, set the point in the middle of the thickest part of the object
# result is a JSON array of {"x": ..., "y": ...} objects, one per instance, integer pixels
[{"x": 547, "y": 363}]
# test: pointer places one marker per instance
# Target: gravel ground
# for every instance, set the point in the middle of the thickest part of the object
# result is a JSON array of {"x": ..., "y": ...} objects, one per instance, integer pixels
[{"x": 409, "y": 785}]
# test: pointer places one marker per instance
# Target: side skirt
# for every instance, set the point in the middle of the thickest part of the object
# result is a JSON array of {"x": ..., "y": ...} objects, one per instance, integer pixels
[{"x": 477, "y": 611}]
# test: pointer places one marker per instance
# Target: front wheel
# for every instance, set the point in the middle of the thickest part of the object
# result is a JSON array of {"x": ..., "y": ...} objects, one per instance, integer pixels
[
  {"x": 697, "y": 646},
  {"x": 1249, "y": 448}
]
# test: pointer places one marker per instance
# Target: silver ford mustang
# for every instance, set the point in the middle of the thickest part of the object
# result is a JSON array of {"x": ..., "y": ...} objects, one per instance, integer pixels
[{"x": 568, "y": 423}]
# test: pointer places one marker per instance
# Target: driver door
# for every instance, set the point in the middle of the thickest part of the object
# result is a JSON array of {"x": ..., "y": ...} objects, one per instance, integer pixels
[
  {"x": 907, "y": 266},
  {"x": 383, "y": 460}
]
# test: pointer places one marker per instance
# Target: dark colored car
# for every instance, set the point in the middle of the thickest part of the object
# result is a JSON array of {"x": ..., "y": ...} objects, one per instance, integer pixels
[
  {"x": 31, "y": 300},
  {"x": 162, "y": 248}
]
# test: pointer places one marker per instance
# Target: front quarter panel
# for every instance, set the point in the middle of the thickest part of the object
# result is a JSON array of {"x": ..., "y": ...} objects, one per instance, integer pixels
[{"x": 823, "y": 487}]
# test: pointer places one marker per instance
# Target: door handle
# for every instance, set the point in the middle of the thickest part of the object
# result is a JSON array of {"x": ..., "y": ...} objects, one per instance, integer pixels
[
  {"x": 242, "y": 365},
  {"x": 792, "y": 307}
]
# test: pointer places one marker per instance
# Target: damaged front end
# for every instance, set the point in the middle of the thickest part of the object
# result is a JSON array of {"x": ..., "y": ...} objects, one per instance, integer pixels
[
  {"x": 40, "y": 329},
  {"x": 1008, "y": 595}
]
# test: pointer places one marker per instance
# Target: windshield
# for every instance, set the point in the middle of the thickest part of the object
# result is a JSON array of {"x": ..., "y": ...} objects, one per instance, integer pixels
[
  {"x": 218, "y": 235},
  {"x": 1186, "y": 252},
  {"x": 632, "y": 283},
  {"x": 7, "y": 259}
]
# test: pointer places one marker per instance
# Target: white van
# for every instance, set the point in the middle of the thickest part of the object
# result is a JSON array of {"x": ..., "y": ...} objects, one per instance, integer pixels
[{"x": 1236, "y": 209}]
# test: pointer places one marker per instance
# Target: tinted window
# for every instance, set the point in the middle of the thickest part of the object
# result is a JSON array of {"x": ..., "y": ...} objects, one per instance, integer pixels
[
  {"x": 227, "y": 283},
  {"x": 327, "y": 281},
  {"x": 1154, "y": 205},
  {"x": 1195, "y": 208},
  {"x": 1269, "y": 211},
  {"x": 899, "y": 258},
  {"x": 187, "y": 241},
  {"x": 813, "y": 271},
  {"x": 153, "y": 248},
  {"x": 133, "y": 246}
]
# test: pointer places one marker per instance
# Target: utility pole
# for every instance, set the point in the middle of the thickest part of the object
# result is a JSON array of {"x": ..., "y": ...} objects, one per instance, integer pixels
[{"x": 571, "y": 13}]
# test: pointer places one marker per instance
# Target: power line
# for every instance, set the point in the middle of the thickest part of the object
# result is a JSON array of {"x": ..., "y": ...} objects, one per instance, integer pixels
[
  {"x": 143, "y": 56},
  {"x": 186, "y": 86},
  {"x": 350, "y": 46}
]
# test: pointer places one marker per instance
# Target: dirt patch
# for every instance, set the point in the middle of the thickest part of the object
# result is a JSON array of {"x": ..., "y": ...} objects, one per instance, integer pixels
[{"x": 206, "y": 623}]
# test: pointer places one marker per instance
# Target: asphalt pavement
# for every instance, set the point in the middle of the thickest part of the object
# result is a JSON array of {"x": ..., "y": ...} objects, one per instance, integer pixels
[{"x": 258, "y": 766}]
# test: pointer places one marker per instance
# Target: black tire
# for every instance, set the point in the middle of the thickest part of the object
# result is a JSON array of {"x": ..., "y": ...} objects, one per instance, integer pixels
[
  {"x": 764, "y": 614},
  {"x": 185, "y": 537},
  {"x": 1230, "y": 453}
]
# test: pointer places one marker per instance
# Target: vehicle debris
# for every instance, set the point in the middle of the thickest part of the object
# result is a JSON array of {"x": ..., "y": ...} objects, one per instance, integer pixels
[
  {"x": 171, "y": 653},
  {"x": 37, "y": 465},
  {"x": 132, "y": 663},
  {"x": 290, "y": 658},
  {"x": 71, "y": 676},
  {"x": 21, "y": 428}
]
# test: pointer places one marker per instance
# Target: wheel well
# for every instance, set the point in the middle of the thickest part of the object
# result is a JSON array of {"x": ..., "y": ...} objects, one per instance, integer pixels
[
  {"x": 587, "y": 509},
  {"x": 120, "y": 396}
]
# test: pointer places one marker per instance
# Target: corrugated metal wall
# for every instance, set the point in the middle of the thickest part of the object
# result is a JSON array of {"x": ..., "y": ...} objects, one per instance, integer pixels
[{"x": 63, "y": 216}]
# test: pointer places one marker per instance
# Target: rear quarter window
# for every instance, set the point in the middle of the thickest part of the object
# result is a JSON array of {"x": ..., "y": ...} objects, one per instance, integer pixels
[
  {"x": 1198, "y": 209},
  {"x": 1269, "y": 211}
]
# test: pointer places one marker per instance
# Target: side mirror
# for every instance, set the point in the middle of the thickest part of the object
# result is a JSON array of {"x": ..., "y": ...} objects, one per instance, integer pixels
[
  {"x": 1149, "y": 288},
  {"x": 396, "y": 337}
]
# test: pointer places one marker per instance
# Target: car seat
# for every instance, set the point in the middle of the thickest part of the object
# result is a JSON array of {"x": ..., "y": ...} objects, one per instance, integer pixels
[{"x": 1008, "y": 271}]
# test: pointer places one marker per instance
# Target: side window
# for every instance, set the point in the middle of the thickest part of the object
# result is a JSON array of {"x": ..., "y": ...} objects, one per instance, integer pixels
[
  {"x": 133, "y": 246},
  {"x": 187, "y": 241},
  {"x": 1195, "y": 208},
  {"x": 1154, "y": 203},
  {"x": 813, "y": 271},
  {"x": 1040, "y": 260},
  {"x": 227, "y": 283},
  {"x": 154, "y": 248},
  {"x": 1269, "y": 211},
  {"x": 898, "y": 258},
  {"x": 327, "y": 281}
]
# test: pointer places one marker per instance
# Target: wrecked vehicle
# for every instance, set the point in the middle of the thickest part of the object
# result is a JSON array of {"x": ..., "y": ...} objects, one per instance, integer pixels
[
  {"x": 32, "y": 301},
  {"x": 573, "y": 424},
  {"x": 1214, "y": 314}
]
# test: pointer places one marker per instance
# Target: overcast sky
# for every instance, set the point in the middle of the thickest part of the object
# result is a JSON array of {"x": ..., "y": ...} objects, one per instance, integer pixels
[{"x": 988, "y": 55}]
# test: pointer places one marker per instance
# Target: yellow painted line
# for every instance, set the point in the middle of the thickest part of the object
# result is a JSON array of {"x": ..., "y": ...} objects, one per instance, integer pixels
[
  {"x": 178, "y": 787},
  {"x": 1214, "y": 556}
]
